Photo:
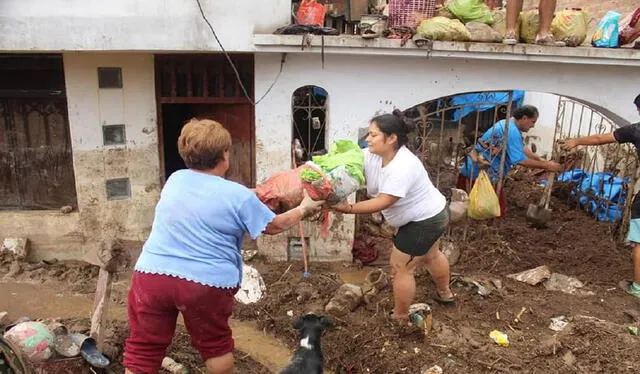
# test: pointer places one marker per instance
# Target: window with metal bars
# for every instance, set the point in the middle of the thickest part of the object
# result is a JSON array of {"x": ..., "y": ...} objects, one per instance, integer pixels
[{"x": 309, "y": 120}]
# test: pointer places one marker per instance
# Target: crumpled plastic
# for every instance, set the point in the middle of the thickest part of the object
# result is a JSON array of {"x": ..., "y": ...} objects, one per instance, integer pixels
[
  {"x": 441, "y": 28},
  {"x": 471, "y": 10},
  {"x": 570, "y": 26}
]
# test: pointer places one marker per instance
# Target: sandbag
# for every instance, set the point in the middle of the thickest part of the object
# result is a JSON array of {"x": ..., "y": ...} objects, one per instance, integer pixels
[
  {"x": 500, "y": 22},
  {"x": 441, "y": 28},
  {"x": 529, "y": 24},
  {"x": 606, "y": 34},
  {"x": 570, "y": 26},
  {"x": 283, "y": 191},
  {"x": 471, "y": 10},
  {"x": 481, "y": 32},
  {"x": 629, "y": 27}
]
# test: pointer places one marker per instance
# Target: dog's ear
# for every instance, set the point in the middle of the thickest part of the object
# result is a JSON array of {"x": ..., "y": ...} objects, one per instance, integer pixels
[
  {"x": 298, "y": 323},
  {"x": 326, "y": 322}
]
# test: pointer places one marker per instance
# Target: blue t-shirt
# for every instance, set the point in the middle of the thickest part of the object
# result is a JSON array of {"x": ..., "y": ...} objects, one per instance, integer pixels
[
  {"x": 198, "y": 229},
  {"x": 494, "y": 139}
]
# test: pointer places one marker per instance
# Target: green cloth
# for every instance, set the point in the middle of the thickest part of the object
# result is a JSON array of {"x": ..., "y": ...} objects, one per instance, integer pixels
[
  {"x": 309, "y": 176},
  {"x": 471, "y": 10},
  {"x": 343, "y": 152}
]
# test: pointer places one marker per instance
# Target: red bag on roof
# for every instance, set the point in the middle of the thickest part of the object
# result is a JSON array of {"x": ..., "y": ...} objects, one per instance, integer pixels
[
  {"x": 310, "y": 12},
  {"x": 629, "y": 27}
]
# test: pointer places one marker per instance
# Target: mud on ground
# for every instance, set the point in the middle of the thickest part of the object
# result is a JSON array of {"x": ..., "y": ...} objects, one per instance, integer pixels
[
  {"x": 180, "y": 350},
  {"x": 596, "y": 339}
]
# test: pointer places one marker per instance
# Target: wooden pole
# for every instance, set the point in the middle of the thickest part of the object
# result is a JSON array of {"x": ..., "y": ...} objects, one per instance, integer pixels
[{"x": 100, "y": 306}]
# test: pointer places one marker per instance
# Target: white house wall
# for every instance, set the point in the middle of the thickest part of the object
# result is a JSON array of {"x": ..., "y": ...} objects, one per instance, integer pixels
[
  {"x": 360, "y": 87},
  {"x": 126, "y": 25}
]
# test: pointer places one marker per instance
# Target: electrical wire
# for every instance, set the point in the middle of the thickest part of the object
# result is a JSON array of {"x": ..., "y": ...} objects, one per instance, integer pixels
[{"x": 233, "y": 66}]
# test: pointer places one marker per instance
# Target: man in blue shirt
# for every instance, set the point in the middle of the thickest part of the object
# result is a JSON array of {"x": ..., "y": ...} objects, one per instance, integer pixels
[{"x": 487, "y": 154}]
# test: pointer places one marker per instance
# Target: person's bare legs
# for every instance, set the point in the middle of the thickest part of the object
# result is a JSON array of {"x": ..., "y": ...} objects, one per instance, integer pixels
[
  {"x": 403, "y": 269},
  {"x": 438, "y": 265},
  {"x": 514, "y": 7},
  {"x": 636, "y": 263},
  {"x": 220, "y": 365},
  {"x": 546, "y": 9}
]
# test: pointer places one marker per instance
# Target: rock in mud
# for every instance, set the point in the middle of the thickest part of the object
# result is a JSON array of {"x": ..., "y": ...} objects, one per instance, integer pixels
[
  {"x": 566, "y": 284},
  {"x": 432, "y": 370},
  {"x": 14, "y": 270},
  {"x": 450, "y": 250},
  {"x": 18, "y": 246},
  {"x": 532, "y": 276},
  {"x": 346, "y": 299}
]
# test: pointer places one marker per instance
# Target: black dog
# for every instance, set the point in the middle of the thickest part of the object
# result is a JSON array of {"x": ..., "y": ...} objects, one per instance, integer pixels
[{"x": 308, "y": 359}]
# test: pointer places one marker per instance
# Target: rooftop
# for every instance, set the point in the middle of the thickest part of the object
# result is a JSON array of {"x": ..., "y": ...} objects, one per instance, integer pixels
[{"x": 356, "y": 45}]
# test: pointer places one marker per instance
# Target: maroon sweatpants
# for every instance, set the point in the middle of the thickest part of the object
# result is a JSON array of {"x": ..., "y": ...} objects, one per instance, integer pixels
[{"x": 153, "y": 305}]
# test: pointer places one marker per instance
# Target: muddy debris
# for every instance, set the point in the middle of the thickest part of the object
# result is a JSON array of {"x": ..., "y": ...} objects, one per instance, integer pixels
[
  {"x": 532, "y": 276},
  {"x": 573, "y": 244},
  {"x": 346, "y": 299}
]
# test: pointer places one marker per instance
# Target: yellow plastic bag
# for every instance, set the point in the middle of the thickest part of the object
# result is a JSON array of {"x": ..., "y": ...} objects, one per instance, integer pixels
[
  {"x": 441, "y": 28},
  {"x": 570, "y": 26},
  {"x": 483, "y": 201},
  {"x": 529, "y": 24}
]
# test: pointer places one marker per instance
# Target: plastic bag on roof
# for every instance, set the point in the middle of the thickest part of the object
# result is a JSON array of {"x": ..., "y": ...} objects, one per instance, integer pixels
[
  {"x": 471, "y": 10},
  {"x": 606, "y": 34},
  {"x": 570, "y": 26}
]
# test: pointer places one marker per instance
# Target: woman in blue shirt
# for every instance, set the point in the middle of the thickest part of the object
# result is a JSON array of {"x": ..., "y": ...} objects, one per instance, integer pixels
[{"x": 191, "y": 262}]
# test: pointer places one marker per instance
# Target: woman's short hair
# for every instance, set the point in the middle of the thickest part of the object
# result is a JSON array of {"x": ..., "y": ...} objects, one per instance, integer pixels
[{"x": 202, "y": 143}]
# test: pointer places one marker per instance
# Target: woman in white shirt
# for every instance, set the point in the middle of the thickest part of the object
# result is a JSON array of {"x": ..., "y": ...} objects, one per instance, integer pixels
[{"x": 400, "y": 188}]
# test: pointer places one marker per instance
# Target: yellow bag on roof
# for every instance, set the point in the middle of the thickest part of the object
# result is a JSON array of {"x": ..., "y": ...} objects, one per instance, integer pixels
[
  {"x": 483, "y": 201},
  {"x": 570, "y": 26},
  {"x": 441, "y": 28}
]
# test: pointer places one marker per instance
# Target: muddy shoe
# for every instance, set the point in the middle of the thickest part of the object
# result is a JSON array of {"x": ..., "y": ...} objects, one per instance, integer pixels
[
  {"x": 630, "y": 287},
  {"x": 510, "y": 38},
  {"x": 376, "y": 281},
  {"x": 548, "y": 40},
  {"x": 405, "y": 327}
]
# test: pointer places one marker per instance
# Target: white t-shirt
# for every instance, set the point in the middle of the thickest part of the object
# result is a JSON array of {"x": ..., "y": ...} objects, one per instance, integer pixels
[{"x": 404, "y": 177}]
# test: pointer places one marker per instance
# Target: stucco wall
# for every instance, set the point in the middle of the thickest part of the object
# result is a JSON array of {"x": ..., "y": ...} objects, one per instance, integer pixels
[
  {"x": 139, "y": 25},
  {"x": 361, "y": 86},
  {"x": 72, "y": 236}
]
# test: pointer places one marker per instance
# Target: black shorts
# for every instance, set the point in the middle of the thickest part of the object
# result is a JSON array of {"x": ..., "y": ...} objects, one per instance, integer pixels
[{"x": 416, "y": 238}]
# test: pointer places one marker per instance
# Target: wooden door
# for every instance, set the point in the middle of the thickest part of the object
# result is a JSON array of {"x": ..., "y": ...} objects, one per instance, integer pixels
[{"x": 238, "y": 119}]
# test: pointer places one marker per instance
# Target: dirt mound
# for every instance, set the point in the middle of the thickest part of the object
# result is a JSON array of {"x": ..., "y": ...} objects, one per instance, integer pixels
[{"x": 574, "y": 244}]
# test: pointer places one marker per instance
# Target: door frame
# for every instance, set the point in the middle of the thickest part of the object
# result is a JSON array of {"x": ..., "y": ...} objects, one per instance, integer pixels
[{"x": 248, "y": 61}]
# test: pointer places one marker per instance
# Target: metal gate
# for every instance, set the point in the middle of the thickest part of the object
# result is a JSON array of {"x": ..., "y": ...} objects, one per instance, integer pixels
[{"x": 444, "y": 138}]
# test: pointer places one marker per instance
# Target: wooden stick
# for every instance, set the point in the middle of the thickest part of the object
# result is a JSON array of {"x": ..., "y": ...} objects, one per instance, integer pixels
[{"x": 100, "y": 306}]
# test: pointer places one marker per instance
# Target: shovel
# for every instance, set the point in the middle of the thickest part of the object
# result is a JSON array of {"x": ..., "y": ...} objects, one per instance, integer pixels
[{"x": 539, "y": 214}]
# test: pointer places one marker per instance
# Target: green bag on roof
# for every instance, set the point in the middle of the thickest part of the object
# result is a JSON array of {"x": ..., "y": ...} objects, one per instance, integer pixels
[
  {"x": 471, "y": 10},
  {"x": 343, "y": 153}
]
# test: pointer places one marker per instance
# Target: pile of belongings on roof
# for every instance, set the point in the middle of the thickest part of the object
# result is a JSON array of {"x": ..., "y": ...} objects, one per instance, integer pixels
[
  {"x": 473, "y": 20},
  {"x": 614, "y": 31}
]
